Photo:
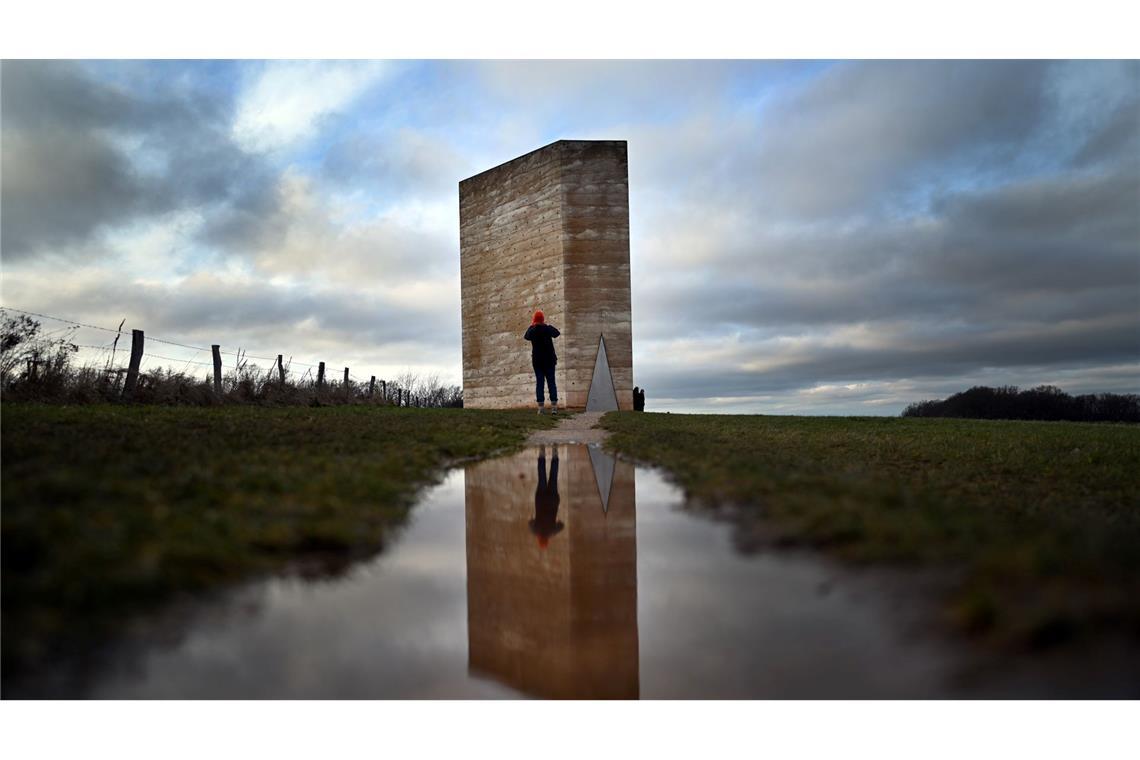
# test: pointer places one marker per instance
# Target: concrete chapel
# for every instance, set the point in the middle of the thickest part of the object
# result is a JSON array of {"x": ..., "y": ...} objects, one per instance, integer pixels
[{"x": 548, "y": 230}]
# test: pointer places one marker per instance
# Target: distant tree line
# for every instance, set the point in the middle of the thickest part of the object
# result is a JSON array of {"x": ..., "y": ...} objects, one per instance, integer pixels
[{"x": 1045, "y": 402}]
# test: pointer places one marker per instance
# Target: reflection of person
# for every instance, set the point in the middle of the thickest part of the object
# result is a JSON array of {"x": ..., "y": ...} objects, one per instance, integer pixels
[
  {"x": 545, "y": 523},
  {"x": 543, "y": 358}
]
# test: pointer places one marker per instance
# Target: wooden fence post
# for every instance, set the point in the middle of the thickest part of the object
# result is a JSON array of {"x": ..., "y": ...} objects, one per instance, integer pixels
[
  {"x": 217, "y": 369},
  {"x": 136, "y": 359},
  {"x": 280, "y": 369},
  {"x": 399, "y": 396},
  {"x": 321, "y": 375},
  {"x": 383, "y": 390},
  {"x": 371, "y": 386}
]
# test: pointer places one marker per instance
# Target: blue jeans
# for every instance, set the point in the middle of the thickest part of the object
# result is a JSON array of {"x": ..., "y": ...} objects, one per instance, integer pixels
[{"x": 544, "y": 372}]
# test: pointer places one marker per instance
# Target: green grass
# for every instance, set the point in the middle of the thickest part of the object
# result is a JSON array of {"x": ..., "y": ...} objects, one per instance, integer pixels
[
  {"x": 109, "y": 509},
  {"x": 1035, "y": 526}
]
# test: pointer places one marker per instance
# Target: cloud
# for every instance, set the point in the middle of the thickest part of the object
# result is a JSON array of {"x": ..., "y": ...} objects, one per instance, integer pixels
[
  {"x": 1118, "y": 136},
  {"x": 598, "y": 91},
  {"x": 861, "y": 134},
  {"x": 62, "y": 177},
  {"x": 308, "y": 234},
  {"x": 876, "y": 397},
  {"x": 888, "y": 221},
  {"x": 805, "y": 236},
  {"x": 774, "y": 366},
  {"x": 1025, "y": 250},
  {"x": 374, "y": 330},
  {"x": 400, "y": 164},
  {"x": 82, "y": 155},
  {"x": 857, "y": 139},
  {"x": 158, "y": 214},
  {"x": 285, "y": 100}
]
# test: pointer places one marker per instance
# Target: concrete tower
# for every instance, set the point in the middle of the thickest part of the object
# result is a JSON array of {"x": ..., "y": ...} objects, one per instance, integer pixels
[{"x": 548, "y": 230}]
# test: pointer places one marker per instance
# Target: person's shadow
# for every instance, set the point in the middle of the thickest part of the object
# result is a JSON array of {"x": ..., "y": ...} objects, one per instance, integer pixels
[{"x": 545, "y": 523}]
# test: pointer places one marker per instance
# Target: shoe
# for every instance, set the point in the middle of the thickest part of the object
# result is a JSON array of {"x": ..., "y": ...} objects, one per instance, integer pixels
[
  {"x": 554, "y": 408},
  {"x": 540, "y": 406}
]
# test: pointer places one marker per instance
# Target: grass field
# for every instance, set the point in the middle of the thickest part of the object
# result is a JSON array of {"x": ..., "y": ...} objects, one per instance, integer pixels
[
  {"x": 107, "y": 509},
  {"x": 110, "y": 509},
  {"x": 1035, "y": 524}
]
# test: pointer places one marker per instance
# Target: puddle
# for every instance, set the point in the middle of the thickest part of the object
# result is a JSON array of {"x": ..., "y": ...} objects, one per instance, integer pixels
[{"x": 541, "y": 575}]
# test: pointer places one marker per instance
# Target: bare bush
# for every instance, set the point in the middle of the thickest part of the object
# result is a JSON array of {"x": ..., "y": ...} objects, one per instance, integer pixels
[
  {"x": 427, "y": 390},
  {"x": 32, "y": 362},
  {"x": 37, "y": 367}
]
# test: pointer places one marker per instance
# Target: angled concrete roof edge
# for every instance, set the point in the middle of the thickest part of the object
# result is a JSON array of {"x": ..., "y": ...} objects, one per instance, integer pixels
[{"x": 536, "y": 150}]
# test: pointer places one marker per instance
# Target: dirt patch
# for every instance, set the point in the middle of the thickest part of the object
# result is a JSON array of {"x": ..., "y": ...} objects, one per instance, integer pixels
[{"x": 576, "y": 428}]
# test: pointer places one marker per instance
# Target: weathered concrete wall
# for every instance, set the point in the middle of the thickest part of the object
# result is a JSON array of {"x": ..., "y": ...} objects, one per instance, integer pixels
[
  {"x": 547, "y": 230},
  {"x": 595, "y": 261},
  {"x": 558, "y": 621}
]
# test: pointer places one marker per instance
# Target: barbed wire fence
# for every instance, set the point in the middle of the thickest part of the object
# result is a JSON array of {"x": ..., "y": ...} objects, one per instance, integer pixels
[{"x": 115, "y": 359}]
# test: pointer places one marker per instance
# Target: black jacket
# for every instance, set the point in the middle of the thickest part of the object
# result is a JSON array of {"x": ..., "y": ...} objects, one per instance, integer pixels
[{"x": 541, "y": 339}]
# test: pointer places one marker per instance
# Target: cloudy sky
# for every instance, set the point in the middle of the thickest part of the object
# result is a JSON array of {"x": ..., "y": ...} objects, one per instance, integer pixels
[{"x": 806, "y": 237}]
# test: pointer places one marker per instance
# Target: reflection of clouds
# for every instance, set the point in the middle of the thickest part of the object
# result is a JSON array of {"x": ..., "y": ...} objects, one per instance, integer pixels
[
  {"x": 716, "y": 623},
  {"x": 396, "y": 627},
  {"x": 649, "y": 599}
]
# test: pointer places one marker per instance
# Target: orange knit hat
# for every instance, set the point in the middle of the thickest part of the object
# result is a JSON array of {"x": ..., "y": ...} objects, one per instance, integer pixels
[{"x": 539, "y": 317}]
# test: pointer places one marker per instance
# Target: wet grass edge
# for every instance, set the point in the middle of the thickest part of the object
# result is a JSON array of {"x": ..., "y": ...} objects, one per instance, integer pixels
[
  {"x": 1029, "y": 528},
  {"x": 109, "y": 511}
]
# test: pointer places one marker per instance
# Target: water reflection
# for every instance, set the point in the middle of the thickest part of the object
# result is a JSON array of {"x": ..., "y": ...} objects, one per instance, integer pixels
[
  {"x": 556, "y": 616},
  {"x": 538, "y": 575},
  {"x": 545, "y": 523}
]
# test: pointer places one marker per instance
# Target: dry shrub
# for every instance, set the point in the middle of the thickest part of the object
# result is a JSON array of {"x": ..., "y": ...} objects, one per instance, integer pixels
[{"x": 39, "y": 368}]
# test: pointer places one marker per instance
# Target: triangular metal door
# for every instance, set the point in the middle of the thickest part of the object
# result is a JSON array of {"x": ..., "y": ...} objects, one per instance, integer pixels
[{"x": 602, "y": 397}]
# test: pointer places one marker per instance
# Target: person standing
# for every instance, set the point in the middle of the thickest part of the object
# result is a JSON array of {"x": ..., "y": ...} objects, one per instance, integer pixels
[{"x": 543, "y": 359}]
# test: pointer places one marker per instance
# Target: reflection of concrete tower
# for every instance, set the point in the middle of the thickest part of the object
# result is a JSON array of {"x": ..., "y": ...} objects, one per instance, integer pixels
[
  {"x": 560, "y": 620},
  {"x": 548, "y": 230}
]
